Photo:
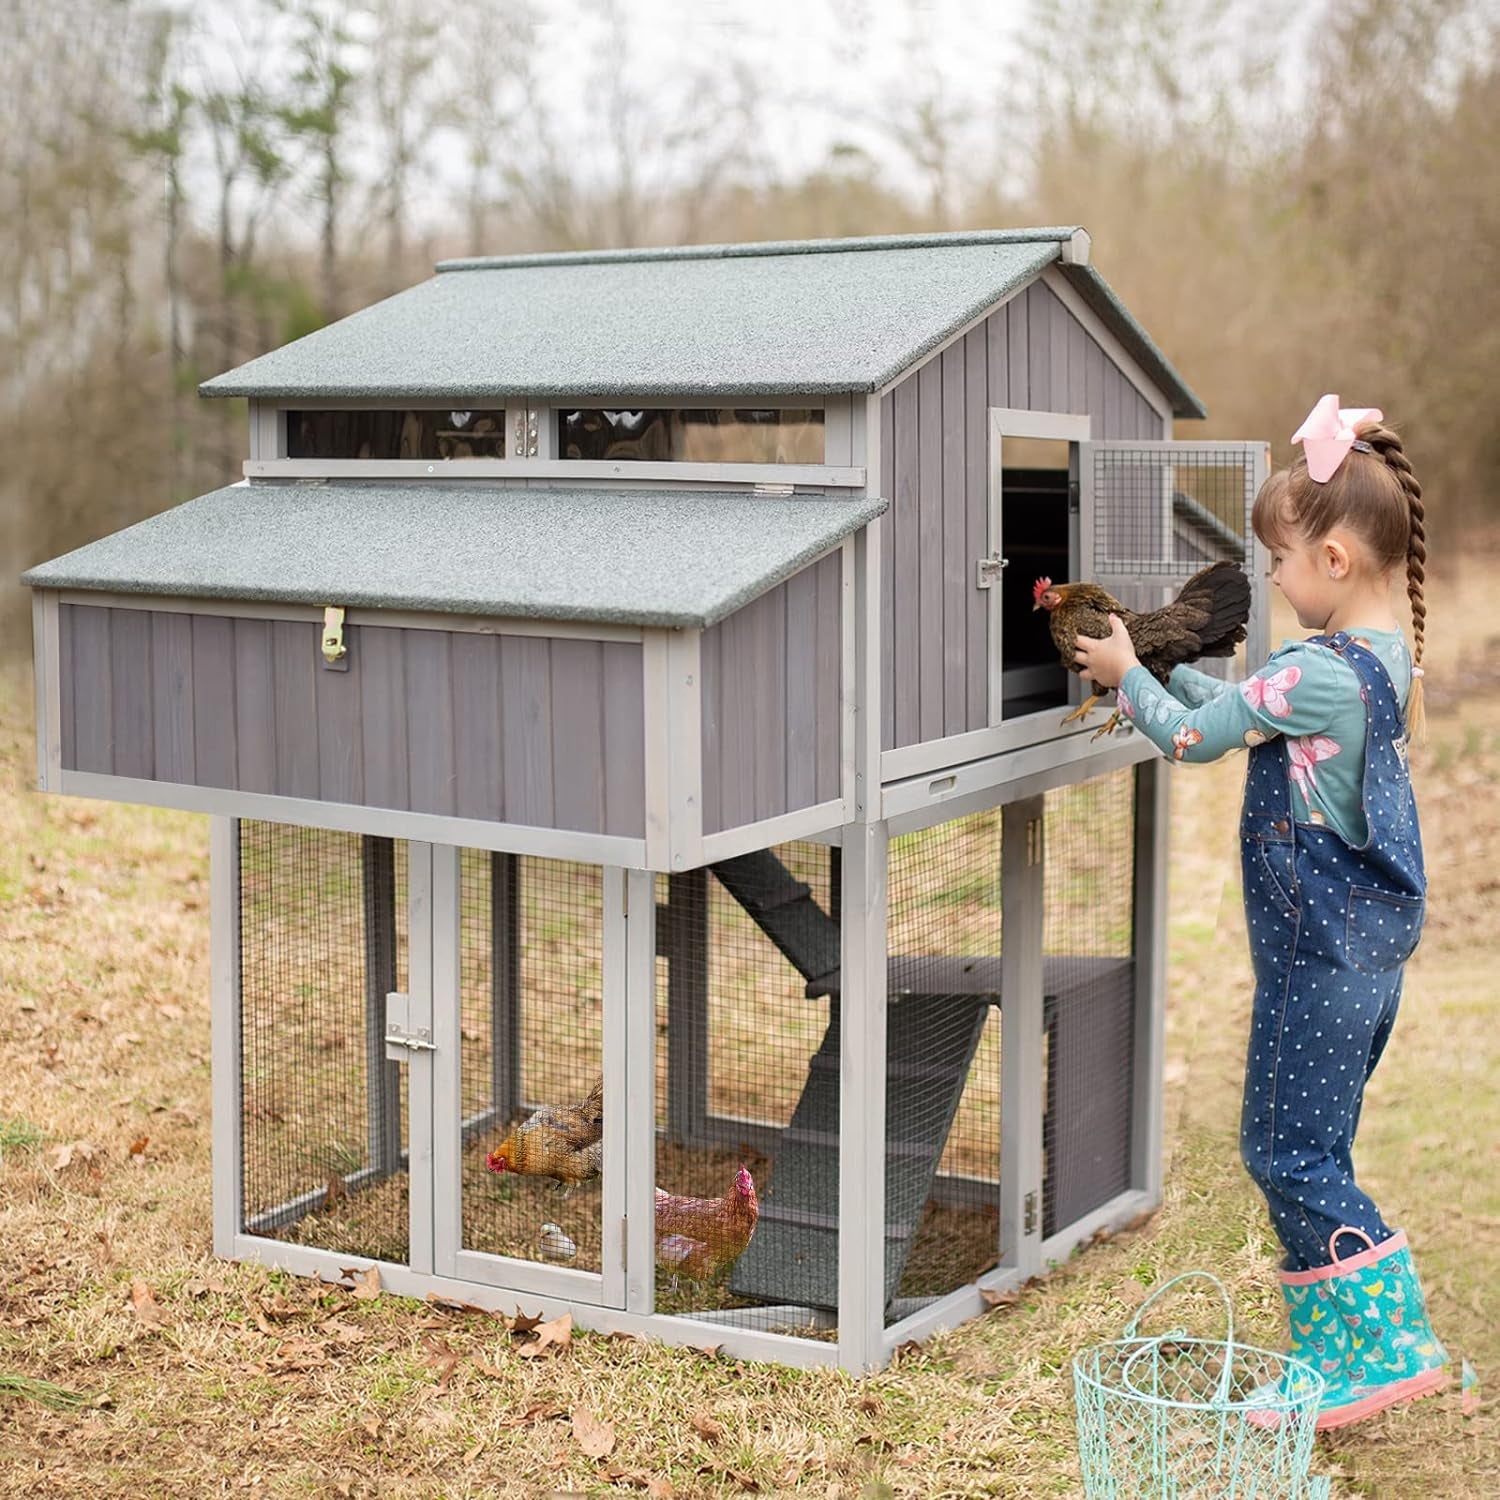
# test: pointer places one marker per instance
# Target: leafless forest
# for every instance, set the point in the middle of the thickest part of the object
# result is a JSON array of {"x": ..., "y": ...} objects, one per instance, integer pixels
[{"x": 1294, "y": 198}]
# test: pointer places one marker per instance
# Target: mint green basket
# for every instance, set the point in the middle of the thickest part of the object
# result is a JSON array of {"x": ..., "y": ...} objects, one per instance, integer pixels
[{"x": 1172, "y": 1417}]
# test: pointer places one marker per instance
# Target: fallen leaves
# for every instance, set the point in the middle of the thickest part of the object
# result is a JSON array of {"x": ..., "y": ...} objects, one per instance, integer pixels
[
  {"x": 366, "y": 1283},
  {"x": 148, "y": 1310},
  {"x": 551, "y": 1338},
  {"x": 596, "y": 1438},
  {"x": 705, "y": 1426},
  {"x": 60, "y": 1158}
]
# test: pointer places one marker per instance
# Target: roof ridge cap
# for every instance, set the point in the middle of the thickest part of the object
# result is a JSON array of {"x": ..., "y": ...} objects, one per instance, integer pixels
[{"x": 1048, "y": 234}]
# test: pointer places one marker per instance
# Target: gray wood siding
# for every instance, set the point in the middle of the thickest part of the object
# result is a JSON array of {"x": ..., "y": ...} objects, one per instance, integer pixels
[
  {"x": 503, "y": 728},
  {"x": 770, "y": 690},
  {"x": 1031, "y": 354}
]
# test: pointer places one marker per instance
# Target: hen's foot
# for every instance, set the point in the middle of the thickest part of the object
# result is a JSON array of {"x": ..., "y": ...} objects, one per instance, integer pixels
[
  {"x": 1109, "y": 725},
  {"x": 1082, "y": 711}
]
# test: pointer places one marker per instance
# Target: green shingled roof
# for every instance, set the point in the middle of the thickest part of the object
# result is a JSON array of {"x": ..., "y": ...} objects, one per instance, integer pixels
[
  {"x": 622, "y": 556},
  {"x": 772, "y": 319}
]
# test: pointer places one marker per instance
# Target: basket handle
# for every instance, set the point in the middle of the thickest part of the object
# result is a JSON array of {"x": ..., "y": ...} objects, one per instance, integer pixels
[
  {"x": 1161, "y": 1291},
  {"x": 1166, "y": 1286}
]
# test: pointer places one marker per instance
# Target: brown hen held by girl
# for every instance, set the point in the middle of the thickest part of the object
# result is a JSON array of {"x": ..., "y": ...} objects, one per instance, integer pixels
[{"x": 1206, "y": 619}]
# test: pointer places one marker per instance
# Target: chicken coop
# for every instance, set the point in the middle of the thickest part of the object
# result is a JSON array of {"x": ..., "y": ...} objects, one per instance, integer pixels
[{"x": 652, "y": 875}]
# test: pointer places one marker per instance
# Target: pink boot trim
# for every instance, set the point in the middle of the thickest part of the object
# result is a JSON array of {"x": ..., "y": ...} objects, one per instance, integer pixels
[
  {"x": 1421, "y": 1384},
  {"x": 1354, "y": 1263}
]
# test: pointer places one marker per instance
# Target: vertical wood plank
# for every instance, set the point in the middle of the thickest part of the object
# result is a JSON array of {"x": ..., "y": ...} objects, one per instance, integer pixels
[
  {"x": 1019, "y": 352},
  {"x": 1058, "y": 318},
  {"x": 830, "y": 649},
  {"x": 1039, "y": 346},
  {"x": 429, "y": 708},
  {"x": 997, "y": 333},
  {"x": 1114, "y": 402},
  {"x": 382, "y": 717},
  {"x": 977, "y": 524},
  {"x": 132, "y": 717},
  {"x": 957, "y": 565},
  {"x": 172, "y": 696},
  {"x": 625, "y": 739},
  {"x": 712, "y": 670},
  {"x": 1094, "y": 367},
  {"x": 254, "y": 706},
  {"x": 67, "y": 673},
  {"x": 930, "y": 550},
  {"x": 578, "y": 735},
  {"x": 479, "y": 784},
  {"x": 736, "y": 756},
  {"x": 294, "y": 658},
  {"x": 215, "y": 757},
  {"x": 341, "y": 757},
  {"x": 905, "y": 603},
  {"x": 803, "y": 698},
  {"x": 888, "y": 573},
  {"x": 768, "y": 691},
  {"x": 93, "y": 733},
  {"x": 526, "y": 693},
  {"x": 1078, "y": 358}
]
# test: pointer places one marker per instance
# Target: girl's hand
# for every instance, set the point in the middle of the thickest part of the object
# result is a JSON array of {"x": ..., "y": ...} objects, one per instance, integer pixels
[{"x": 1106, "y": 662}]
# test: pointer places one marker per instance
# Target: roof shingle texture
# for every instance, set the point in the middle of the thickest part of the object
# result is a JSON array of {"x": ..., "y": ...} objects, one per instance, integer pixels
[
  {"x": 807, "y": 317},
  {"x": 612, "y": 556}
]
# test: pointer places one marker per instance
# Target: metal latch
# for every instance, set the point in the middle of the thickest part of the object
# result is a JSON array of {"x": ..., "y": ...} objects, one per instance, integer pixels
[
  {"x": 401, "y": 1040},
  {"x": 335, "y": 651},
  {"x": 1029, "y": 1226},
  {"x": 988, "y": 569}
]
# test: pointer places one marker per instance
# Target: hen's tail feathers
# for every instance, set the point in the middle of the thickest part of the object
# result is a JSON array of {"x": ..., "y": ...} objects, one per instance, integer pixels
[
  {"x": 1221, "y": 595},
  {"x": 593, "y": 1106}
]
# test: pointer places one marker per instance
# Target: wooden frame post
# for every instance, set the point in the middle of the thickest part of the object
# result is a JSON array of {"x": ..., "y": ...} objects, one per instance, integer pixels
[
  {"x": 1022, "y": 870},
  {"x": 224, "y": 986},
  {"x": 686, "y": 944},
  {"x": 636, "y": 900},
  {"x": 505, "y": 985},
  {"x": 382, "y": 1075},
  {"x": 1152, "y": 834}
]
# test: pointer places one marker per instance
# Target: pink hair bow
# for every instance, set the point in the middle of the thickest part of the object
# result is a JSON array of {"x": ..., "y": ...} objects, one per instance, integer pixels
[{"x": 1328, "y": 434}]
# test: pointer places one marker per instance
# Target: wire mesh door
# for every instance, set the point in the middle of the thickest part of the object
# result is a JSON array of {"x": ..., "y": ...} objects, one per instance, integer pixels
[
  {"x": 525, "y": 1195},
  {"x": 1153, "y": 513},
  {"x": 323, "y": 1114}
]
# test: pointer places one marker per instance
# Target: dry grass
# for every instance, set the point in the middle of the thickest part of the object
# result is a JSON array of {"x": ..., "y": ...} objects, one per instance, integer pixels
[{"x": 206, "y": 1379}]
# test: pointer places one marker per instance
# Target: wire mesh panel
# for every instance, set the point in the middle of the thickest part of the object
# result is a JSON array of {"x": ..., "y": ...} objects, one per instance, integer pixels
[
  {"x": 1088, "y": 979},
  {"x": 531, "y": 1074},
  {"x": 322, "y": 940},
  {"x": 942, "y": 1148},
  {"x": 747, "y": 1091}
]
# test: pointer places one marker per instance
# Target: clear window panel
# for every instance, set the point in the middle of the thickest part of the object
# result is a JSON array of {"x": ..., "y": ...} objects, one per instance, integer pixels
[
  {"x": 693, "y": 435},
  {"x": 395, "y": 434}
]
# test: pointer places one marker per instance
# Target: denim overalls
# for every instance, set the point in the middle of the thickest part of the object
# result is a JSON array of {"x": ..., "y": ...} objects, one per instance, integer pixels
[{"x": 1331, "y": 928}]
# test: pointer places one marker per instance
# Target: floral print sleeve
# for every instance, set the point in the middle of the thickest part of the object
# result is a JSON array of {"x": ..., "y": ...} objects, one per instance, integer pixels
[{"x": 1298, "y": 693}]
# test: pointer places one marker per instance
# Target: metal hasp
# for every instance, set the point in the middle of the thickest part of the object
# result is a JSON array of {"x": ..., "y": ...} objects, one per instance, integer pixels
[
  {"x": 402, "y": 1040},
  {"x": 335, "y": 652},
  {"x": 988, "y": 569}
]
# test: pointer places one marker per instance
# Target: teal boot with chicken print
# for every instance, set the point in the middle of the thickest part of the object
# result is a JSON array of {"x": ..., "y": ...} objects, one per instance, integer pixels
[{"x": 1390, "y": 1352}]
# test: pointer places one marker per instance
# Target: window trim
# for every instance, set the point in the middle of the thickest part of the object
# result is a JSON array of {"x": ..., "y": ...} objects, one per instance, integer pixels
[{"x": 843, "y": 442}]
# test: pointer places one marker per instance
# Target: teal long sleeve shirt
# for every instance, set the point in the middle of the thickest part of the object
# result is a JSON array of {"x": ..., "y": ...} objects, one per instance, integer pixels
[{"x": 1305, "y": 693}]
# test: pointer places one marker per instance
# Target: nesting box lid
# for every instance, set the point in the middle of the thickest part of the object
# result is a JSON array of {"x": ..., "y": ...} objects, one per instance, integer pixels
[
  {"x": 809, "y": 317},
  {"x": 619, "y": 556}
]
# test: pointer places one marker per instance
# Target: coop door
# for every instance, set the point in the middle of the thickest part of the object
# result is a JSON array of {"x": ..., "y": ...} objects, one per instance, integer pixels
[
  {"x": 528, "y": 1170},
  {"x": 1151, "y": 514}
]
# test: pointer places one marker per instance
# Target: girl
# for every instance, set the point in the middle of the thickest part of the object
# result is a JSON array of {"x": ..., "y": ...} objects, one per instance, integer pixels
[{"x": 1333, "y": 881}]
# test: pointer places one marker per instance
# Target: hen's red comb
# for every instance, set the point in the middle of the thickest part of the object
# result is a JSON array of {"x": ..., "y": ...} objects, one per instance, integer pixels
[{"x": 1040, "y": 587}]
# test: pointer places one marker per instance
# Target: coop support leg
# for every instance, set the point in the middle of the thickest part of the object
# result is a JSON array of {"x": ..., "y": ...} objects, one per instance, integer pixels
[
  {"x": 630, "y": 1083},
  {"x": 224, "y": 983},
  {"x": 687, "y": 1006},
  {"x": 1152, "y": 830},
  {"x": 862, "y": 1065},
  {"x": 505, "y": 986},
  {"x": 1022, "y": 871},
  {"x": 382, "y": 1077}
]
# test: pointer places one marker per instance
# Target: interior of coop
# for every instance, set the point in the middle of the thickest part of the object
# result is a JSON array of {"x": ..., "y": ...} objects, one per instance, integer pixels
[{"x": 746, "y": 1059}]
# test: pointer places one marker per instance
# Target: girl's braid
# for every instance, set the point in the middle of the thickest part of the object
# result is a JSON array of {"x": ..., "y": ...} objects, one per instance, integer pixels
[{"x": 1388, "y": 446}]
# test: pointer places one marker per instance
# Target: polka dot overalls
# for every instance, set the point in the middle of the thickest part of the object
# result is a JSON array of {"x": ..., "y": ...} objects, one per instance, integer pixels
[{"x": 1331, "y": 927}]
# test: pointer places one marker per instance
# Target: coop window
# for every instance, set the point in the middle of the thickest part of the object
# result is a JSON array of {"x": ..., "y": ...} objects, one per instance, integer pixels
[
  {"x": 760, "y": 435},
  {"x": 1161, "y": 512},
  {"x": 394, "y": 434}
]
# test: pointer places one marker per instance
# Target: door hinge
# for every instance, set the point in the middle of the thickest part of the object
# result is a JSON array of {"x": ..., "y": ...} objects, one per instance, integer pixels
[
  {"x": 335, "y": 652},
  {"x": 988, "y": 569},
  {"x": 1029, "y": 1224},
  {"x": 773, "y": 491},
  {"x": 401, "y": 1039},
  {"x": 1073, "y": 494}
]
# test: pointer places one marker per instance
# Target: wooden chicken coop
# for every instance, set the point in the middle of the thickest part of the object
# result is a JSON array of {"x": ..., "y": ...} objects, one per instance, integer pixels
[{"x": 622, "y": 666}]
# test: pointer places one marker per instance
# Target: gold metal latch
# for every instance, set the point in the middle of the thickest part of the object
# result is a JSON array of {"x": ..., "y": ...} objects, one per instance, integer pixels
[{"x": 334, "y": 649}]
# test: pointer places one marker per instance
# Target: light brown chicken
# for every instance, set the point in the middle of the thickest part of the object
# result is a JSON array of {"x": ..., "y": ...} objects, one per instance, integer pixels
[
  {"x": 701, "y": 1238},
  {"x": 564, "y": 1141}
]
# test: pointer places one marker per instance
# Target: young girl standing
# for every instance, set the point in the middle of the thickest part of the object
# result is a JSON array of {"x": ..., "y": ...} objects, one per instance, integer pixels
[{"x": 1333, "y": 881}]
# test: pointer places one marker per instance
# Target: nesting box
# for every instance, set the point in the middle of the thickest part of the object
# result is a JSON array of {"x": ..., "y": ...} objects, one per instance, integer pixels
[{"x": 615, "y": 692}]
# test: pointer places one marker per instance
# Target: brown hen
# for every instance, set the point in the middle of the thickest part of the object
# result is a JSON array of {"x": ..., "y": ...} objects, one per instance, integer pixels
[
  {"x": 700, "y": 1238},
  {"x": 1206, "y": 619},
  {"x": 565, "y": 1141}
]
